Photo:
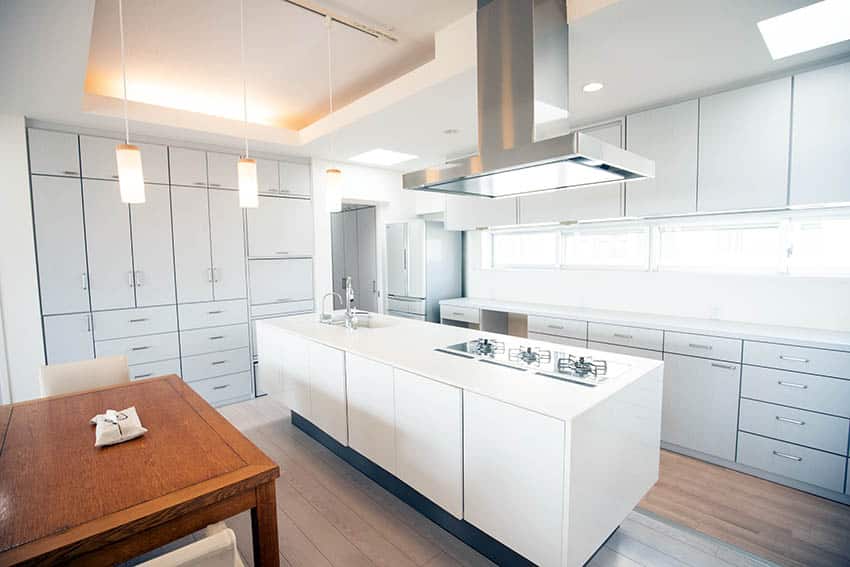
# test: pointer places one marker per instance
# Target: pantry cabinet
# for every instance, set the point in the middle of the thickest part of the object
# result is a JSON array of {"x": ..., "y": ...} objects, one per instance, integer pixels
[
  {"x": 222, "y": 170},
  {"x": 188, "y": 167},
  {"x": 227, "y": 241},
  {"x": 69, "y": 338},
  {"x": 294, "y": 179},
  {"x": 153, "y": 254},
  {"x": 53, "y": 153},
  {"x": 99, "y": 161},
  {"x": 280, "y": 228}
]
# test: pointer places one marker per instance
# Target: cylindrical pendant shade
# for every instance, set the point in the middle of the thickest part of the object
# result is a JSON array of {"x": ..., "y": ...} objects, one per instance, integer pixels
[
  {"x": 333, "y": 190},
  {"x": 247, "y": 168},
  {"x": 131, "y": 181}
]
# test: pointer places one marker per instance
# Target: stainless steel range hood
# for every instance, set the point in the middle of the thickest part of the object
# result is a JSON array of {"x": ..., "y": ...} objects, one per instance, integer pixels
[{"x": 524, "y": 142}]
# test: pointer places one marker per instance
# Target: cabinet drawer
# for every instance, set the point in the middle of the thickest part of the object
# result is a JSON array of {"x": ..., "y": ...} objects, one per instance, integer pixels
[
  {"x": 153, "y": 369},
  {"x": 214, "y": 339},
  {"x": 800, "y": 463},
  {"x": 134, "y": 322},
  {"x": 816, "y": 393},
  {"x": 223, "y": 389},
  {"x": 213, "y": 314},
  {"x": 800, "y": 359},
  {"x": 628, "y": 351},
  {"x": 569, "y": 341},
  {"x": 718, "y": 348},
  {"x": 562, "y": 327},
  {"x": 285, "y": 308},
  {"x": 213, "y": 364},
  {"x": 456, "y": 313},
  {"x": 824, "y": 432},
  {"x": 414, "y": 306},
  {"x": 637, "y": 337},
  {"x": 141, "y": 349}
]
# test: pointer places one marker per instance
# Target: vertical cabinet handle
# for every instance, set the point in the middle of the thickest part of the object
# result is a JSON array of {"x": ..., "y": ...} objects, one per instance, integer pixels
[
  {"x": 88, "y": 323},
  {"x": 215, "y": 275},
  {"x": 404, "y": 258},
  {"x": 374, "y": 286},
  {"x": 209, "y": 275},
  {"x": 85, "y": 280},
  {"x": 130, "y": 280},
  {"x": 138, "y": 276}
]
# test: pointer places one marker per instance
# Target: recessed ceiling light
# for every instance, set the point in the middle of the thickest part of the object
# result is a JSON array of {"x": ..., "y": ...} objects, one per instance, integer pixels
[
  {"x": 817, "y": 25},
  {"x": 592, "y": 87},
  {"x": 382, "y": 157}
]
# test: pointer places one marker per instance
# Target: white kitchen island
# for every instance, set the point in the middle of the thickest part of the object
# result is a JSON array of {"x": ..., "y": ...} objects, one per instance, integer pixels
[{"x": 523, "y": 467}]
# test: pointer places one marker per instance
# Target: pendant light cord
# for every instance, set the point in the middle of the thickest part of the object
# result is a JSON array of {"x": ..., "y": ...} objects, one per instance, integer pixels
[
  {"x": 123, "y": 69},
  {"x": 244, "y": 74},
  {"x": 328, "y": 23}
]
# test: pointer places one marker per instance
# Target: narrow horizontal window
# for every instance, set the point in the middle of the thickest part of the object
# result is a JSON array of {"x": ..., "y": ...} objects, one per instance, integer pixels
[
  {"x": 528, "y": 249},
  {"x": 606, "y": 248},
  {"x": 819, "y": 247}
]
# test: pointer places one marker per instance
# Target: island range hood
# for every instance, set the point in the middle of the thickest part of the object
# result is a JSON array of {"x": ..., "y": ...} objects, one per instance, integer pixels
[{"x": 524, "y": 142}]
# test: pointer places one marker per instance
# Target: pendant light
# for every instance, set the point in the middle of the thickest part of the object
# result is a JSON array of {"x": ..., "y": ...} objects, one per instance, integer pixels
[
  {"x": 131, "y": 181},
  {"x": 333, "y": 175},
  {"x": 247, "y": 167}
]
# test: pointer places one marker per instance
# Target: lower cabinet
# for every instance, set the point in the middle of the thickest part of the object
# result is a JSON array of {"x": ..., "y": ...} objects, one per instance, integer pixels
[
  {"x": 371, "y": 410},
  {"x": 793, "y": 461},
  {"x": 293, "y": 361},
  {"x": 68, "y": 338},
  {"x": 224, "y": 389},
  {"x": 429, "y": 439},
  {"x": 327, "y": 390},
  {"x": 513, "y": 468},
  {"x": 557, "y": 339},
  {"x": 700, "y": 408}
]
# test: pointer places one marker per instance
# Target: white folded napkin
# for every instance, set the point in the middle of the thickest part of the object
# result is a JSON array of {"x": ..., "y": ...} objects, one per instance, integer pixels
[{"x": 116, "y": 427}]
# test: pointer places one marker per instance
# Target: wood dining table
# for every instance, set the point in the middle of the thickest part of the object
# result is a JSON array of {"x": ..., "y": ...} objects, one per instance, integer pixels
[{"x": 63, "y": 501}]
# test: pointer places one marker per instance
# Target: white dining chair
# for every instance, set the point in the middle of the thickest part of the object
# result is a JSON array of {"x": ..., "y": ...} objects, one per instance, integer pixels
[
  {"x": 84, "y": 375},
  {"x": 216, "y": 549}
]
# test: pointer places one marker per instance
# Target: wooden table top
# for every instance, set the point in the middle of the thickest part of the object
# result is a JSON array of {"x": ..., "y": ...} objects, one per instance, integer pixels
[{"x": 57, "y": 489}]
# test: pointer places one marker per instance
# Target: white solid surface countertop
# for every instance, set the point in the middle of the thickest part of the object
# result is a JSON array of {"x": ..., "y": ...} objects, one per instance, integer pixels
[
  {"x": 817, "y": 338},
  {"x": 409, "y": 345}
]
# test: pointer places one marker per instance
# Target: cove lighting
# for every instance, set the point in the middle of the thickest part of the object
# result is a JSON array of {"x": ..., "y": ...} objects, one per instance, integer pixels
[
  {"x": 817, "y": 25},
  {"x": 382, "y": 157}
]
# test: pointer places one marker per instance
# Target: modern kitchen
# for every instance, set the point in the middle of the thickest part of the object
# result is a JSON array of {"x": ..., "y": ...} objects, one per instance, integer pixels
[{"x": 445, "y": 283}]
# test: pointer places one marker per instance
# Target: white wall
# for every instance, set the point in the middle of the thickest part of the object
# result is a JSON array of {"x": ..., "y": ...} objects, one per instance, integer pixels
[
  {"x": 775, "y": 300},
  {"x": 19, "y": 300}
]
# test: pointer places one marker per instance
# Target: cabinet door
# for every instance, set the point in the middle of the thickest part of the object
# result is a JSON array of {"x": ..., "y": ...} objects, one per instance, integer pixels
[
  {"x": 53, "y": 153},
  {"x": 327, "y": 391},
  {"x": 429, "y": 439},
  {"x": 349, "y": 242},
  {"x": 61, "y": 244},
  {"x": 667, "y": 135},
  {"x": 98, "y": 159},
  {"x": 371, "y": 410},
  {"x": 188, "y": 167},
  {"x": 68, "y": 338},
  {"x": 294, "y": 353},
  {"x": 108, "y": 245},
  {"x": 367, "y": 297},
  {"x": 274, "y": 281},
  {"x": 596, "y": 202},
  {"x": 280, "y": 228},
  {"x": 269, "y": 368},
  {"x": 153, "y": 254},
  {"x": 192, "y": 261},
  {"x": 227, "y": 238},
  {"x": 416, "y": 258},
  {"x": 337, "y": 257},
  {"x": 268, "y": 180},
  {"x": 743, "y": 147},
  {"x": 295, "y": 178},
  {"x": 222, "y": 170},
  {"x": 397, "y": 259},
  {"x": 700, "y": 408},
  {"x": 821, "y": 142},
  {"x": 470, "y": 213},
  {"x": 513, "y": 461}
]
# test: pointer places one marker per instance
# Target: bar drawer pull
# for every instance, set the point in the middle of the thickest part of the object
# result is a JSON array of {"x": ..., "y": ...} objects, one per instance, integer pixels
[
  {"x": 203, "y": 183},
  {"x": 697, "y": 345},
  {"x": 216, "y": 312},
  {"x": 222, "y": 387},
  {"x": 792, "y": 385},
  {"x": 138, "y": 348},
  {"x": 787, "y": 456},
  {"x": 457, "y": 313},
  {"x": 217, "y": 362},
  {"x": 141, "y": 320},
  {"x": 723, "y": 366},
  {"x": 145, "y": 375},
  {"x": 793, "y": 358},
  {"x": 217, "y": 338},
  {"x": 558, "y": 327},
  {"x": 789, "y": 420},
  {"x": 623, "y": 336},
  {"x": 69, "y": 172},
  {"x": 281, "y": 252}
]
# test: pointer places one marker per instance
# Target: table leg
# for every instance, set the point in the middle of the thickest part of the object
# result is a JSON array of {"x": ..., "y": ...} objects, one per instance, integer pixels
[{"x": 264, "y": 527}]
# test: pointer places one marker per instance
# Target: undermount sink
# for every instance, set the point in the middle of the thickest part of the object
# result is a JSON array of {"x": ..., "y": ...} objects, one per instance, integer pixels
[{"x": 367, "y": 320}]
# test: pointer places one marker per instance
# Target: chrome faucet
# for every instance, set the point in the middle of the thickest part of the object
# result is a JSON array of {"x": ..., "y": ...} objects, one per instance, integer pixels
[
  {"x": 350, "y": 309},
  {"x": 328, "y": 317}
]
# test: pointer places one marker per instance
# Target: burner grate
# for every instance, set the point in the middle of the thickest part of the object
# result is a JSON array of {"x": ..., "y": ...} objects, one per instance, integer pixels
[{"x": 582, "y": 366}]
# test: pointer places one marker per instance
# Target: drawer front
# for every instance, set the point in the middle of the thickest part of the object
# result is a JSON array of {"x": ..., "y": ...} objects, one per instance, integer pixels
[
  {"x": 562, "y": 327},
  {"x": 804, "y": 391},
  {"x": 717, "y": 348},
  {"x": 134, "y": 322},
  {"x": 636, "y": 337},
  {"x": 569, "y": 341},
  {"x": 212, "y": 314},
  {"x": 214, "y": 364},
  {"x": 414, "y": 306},
  {"x": 224, "y": 388},
  {"x": 455, "y": 313},
  {"x": 154, "y": 369},
  {"x": 214, "y": 339},
  {"x": 629, "y": 351},
  {"x": 800, "y": 463},
  {"x": 149, "y": 348},
  {"x": 799, "y": 359},
  {"x": 824, "y": 432},
  {"x": 286, "y": 308}
]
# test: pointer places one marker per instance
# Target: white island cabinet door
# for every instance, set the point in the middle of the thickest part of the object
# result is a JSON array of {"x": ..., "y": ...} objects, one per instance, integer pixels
[
  {"x": 327, "y": 391},
  {"x": 153, "y": 255},
  {"x": 269, "y": 369},
  {"x": 429, "y": 439},
  {"x": 513, "y": 470},
  {"x": 371, "y": 410},
  {"x": 293, "y": 355},
  {"x": 227, "y": 238},
  {"x": 191, "y": 225}
]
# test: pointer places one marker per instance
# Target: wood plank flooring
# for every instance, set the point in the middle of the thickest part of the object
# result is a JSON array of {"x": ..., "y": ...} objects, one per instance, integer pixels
[{"x": 330, "y": 515}]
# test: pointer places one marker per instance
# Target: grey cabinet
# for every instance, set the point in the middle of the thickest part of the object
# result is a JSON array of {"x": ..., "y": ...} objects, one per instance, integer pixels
[
  {"x": 367, "y": 286},
  {"x": 61, "y": 244},
  {"x": 820, "y": 143},
  {"x": 188, "y": 167},
  {"x": 97, "y": 156},
  {"x": 53, "y": 153},
  {"x": 68, "y": 338},
  {"x": 471, "y": 213},
  {"x": 744, "y": 140},
  {"x": 397, "y": 259},
  {"x": 406, "y": 257},
  {"x": 294, "y": 178},
  {"x": 227, "y": 238},
  {"x": 280, "y": 228},
  {"x": 667, "y": 135},
  {"x": 350, "y": 248},
  {"x": 222, "y": 170},
  {"x": 191, "y": 222},
  {"x": 153, "y": 254}
]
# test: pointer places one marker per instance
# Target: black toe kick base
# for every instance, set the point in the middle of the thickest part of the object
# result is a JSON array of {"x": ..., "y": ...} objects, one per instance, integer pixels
[{"x": 464, "y": 531}]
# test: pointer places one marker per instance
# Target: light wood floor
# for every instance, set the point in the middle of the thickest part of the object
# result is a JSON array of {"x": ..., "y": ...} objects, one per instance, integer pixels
[{"x": 329, "y": 514}]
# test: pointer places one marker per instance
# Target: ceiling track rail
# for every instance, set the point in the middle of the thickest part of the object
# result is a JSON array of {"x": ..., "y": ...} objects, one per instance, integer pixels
[{"x": 357, "y": 26}]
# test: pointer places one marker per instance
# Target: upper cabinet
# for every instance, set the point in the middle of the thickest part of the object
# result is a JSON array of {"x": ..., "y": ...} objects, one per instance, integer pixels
[
  {"x": 820, "y": 144},
  {"x": 280, "y": 228},
  {"x": 294, "y": 178},
  {"x": 667, "y": 135},
  {"x": 744, "y": 140},
  {"x": 98, "y": 159},
  {"x": 470, "y": 213},
  {"x": 268, "y": 176},
  {"x": 188, "y": 167},
  {"x": 595, "y": 202},
  {"x": 54, "y": 153},
  {"x": 222, "y": 170}
]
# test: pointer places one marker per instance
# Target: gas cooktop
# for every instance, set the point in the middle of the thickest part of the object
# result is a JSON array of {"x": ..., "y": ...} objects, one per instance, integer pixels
[{"x": 549, "y": 362}]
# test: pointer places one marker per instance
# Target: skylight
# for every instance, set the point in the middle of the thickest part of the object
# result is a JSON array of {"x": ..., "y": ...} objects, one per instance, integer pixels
[
  {"x": 817, "y": 25},
  {"x": 382, "y": 157}
]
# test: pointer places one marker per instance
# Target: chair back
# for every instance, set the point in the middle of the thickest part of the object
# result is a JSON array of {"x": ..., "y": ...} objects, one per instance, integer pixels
[
  {"x": 71, "y": 377},
  {"x": 217, "y": 549}
]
